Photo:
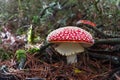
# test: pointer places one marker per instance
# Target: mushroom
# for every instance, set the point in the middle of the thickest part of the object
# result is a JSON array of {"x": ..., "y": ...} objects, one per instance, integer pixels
[
  {"x": 69, "y": 41},
  {"x": 86, "y": 22}
]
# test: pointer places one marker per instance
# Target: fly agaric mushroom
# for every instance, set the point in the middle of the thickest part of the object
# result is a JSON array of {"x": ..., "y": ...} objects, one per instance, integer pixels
[
  {"x": 86, "y": 22},
  {"x": 69, "y": 41}
]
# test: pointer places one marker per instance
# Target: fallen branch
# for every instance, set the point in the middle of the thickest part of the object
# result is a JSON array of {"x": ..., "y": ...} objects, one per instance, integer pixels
[
  {"x": 108, "y": 41},
  {"x": 113, "y": 59}
]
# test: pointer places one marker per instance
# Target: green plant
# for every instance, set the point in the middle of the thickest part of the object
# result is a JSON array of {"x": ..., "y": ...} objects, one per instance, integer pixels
[
  {"x": 33, "y": 50},
  {"x": 20, "y": 54},
  {"x": 30, "y": 35}
]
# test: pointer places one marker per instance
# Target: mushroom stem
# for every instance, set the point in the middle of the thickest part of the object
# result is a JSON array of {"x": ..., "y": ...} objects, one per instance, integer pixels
[
  {"x": 69, "y": 50},
  {"x": 72, "y": 59}
]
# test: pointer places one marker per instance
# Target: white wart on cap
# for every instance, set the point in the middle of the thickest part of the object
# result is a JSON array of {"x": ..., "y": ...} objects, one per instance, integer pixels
[{"x": 70, "y": 40}]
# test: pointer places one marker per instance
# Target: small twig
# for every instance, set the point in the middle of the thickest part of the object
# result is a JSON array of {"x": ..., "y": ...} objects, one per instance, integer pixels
[{"x": 117, "y": 77}]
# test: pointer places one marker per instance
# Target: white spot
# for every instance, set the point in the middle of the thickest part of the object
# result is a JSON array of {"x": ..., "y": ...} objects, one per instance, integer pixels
[{"x": 67, "y": 37}]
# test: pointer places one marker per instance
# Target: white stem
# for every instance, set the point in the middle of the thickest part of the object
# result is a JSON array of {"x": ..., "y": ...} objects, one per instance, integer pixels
[{"x": 72, "y": 59}]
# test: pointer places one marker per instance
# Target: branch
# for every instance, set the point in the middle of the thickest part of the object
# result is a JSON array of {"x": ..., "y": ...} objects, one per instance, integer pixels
[
  {"x": 108, "y": 41},
  {"x": 113, "y": 59},
  {"x": 93, "y": 26}
]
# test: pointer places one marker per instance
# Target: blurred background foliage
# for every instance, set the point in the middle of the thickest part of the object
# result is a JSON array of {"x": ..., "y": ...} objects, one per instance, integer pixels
[{"x": 47, "y": 15}]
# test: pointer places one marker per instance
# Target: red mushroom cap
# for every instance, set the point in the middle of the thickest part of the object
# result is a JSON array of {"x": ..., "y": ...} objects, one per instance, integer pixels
[
  {"x": 86, "y": 22},
  {"x": 70, "y": 34}
]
